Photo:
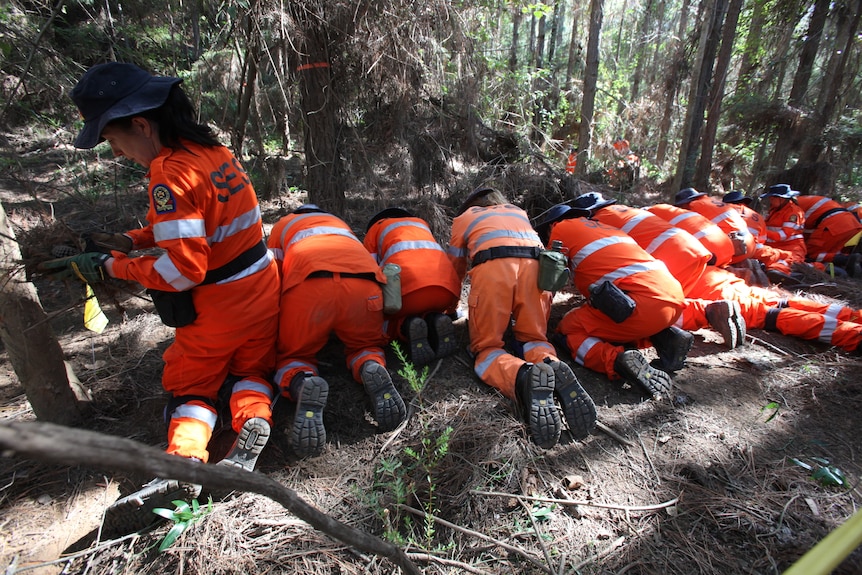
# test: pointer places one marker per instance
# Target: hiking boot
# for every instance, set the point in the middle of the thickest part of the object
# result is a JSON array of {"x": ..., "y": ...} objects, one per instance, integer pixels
[
  {"x": 632, "y": 366},
  {"x": 725, "y": 317},
  {"x": 534, "y": 390},
  {"x": 781, "y": 278},
  {"x": 441, "y": 334},
  {"x": 672, "y": 345},
  {"x": 416, "y": 331},
  {"x": 135, "y": 511},
  {"x": 388, "y": 407},
  {"x": 578, "y": 407},
  {"x": 308, "y": 435},
  {"x": 250, "y": 441}
]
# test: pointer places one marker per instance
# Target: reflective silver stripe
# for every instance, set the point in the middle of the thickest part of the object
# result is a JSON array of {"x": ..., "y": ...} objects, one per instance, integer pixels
[
  {"x": 409, "y": 245},
  {"x": 240, "y": 223},
  {"x": 585, "y": 347},
  {"x": 277, "y": 253},
  {"x": 630, "y": 225},
  {"x": 813, "y": 208},
  {"x": 394, "y": 226},
  {"x": 661, "y": 239},
  {"x": 179, "y": 229},
  {"x": 597, "y": 245},
  {"x": 830, "y": 324},
  {"x": 481, "y": 367},
  {"x": 530, "y": 346},
  {"x": 169, "y": 272},
  {"x": 628, "y": 270},
  {"x": 681, "y": 217},
  {"x": 257, "y": 266},
  {"x": 362, "y": 358},
  {"x": 721, "y": 217},
  {"x": 711, "y": 229},
  {"x": 509, "y": 234},
  {"x": 247, "y": 385},
  {"x": 456, "y": 252},
  {"x": 532, "y": 235},
  {"x": 304, "y": 366},
  {"x": 292, "y": 223},
  {"x": 197, "y": 412},
  {"x": 320, "y": 231}
]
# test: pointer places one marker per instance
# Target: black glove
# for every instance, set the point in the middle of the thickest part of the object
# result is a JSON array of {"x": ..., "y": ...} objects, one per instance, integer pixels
[
  {"x": 88, "y": 267},
  {"x": 106, "y": 243}
]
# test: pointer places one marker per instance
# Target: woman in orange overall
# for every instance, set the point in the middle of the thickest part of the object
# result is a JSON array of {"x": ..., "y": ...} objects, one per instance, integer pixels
[
  {"x": 430, "y": 287},
  {"x": 502, "y": 248},
  {"x": 329, "y": 284},
  {"x": 204, "y": 215},
  {"x": 831, "y": 232},
  {"x": 631, "y": 296},
  {"x": 785, "y": 223}
]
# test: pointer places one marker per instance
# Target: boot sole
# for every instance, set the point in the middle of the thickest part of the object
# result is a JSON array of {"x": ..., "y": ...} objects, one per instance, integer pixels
[
  {"x": 134, "y": 512},
  {"x": 421, "y": 352},
  {"x": 387, "y": 405},
  {"x": 443, "y": 334},
  {"x": 249, "y": 444},
  {"x": 544, "y": 417},
  {"x": 578, "y": 407},
  {"x": 308, "y": 435}
]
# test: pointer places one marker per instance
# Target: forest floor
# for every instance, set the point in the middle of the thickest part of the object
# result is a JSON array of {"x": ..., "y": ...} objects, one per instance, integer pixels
[{"x": 707, "y": 482}]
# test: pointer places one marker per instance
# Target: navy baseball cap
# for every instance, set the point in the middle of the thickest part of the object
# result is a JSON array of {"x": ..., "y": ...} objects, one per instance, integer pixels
[{"x": 115, "y": 90}]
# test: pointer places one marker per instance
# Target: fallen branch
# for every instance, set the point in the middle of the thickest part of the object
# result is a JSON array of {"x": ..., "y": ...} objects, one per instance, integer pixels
[
  {"x": 78, "y": 447},
  {"x": 669, "y": 503},
  {"x": 604, "y": 428}
]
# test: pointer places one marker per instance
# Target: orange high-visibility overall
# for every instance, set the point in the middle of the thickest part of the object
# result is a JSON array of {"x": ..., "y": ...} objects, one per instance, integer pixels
[
  {"x": 785, "y": 223},
  {"x": 204, "y": 213},
  {"x": 706, "y": 232},
  {"x": 756, "y": 223},
  {"x": 800, "y": 317},
  {"x": 684, "y": 256},
  {"x": 598, "y": 253},
  {"x": 429, "y": 282},
  {"x": 503, "y": 290},
  {"x": 729, "y": 220},
  {"x": 828, "y": 227},
  {"x": 329, "y": 284}
]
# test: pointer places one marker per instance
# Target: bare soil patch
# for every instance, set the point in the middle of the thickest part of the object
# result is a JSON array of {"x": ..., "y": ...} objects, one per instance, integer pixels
[{"x": 705, "y": 483}]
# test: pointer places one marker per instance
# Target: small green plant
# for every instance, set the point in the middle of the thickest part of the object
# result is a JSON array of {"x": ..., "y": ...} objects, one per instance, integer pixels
[
  {"x": 823, "y": 472},
  {"x": 184, "y": 516},
  {"x": 411, "y": 475},
  {"x": 772, "y": 406}
]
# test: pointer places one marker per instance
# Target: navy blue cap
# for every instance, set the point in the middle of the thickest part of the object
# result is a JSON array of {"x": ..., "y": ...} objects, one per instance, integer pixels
[
  {"x": 308, "y": 208},
  {"x": 394, "y": 212},
  {"x": 686, "y": 195},
  {"x": 736, "y": 197},
  {"x": 114, "y": 90},
  {"x": 592, "y": 201},
  {"x": 780, "y": 191}
]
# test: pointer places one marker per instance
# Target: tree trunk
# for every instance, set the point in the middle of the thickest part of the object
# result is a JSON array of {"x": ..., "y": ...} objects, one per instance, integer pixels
[
  {"x": 728, "y": 35},
  {"x": 700, "y": 81},
  {"x": 640, "y": 49},
  {"x": 517, "y": 17},
  {"x": 671, "y": 84},
  {"x": 833, "y": 79},
  {"x": 52, "y": 389},
  {"x": 788, "y": 135},
  {"x": 591, "y": 75},
  {"x": 574, "y": 50},
  {"x": 559, "y": 9},
  {"x": 750, "y": 53}
]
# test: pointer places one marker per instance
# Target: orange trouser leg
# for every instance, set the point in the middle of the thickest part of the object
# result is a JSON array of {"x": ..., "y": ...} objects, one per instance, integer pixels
[
  {"x": 502, "y": 290},
  {"x": 250, "y": 399},
  {"x": 827, "y": 329},
  {"x": 190, "y": 429}
]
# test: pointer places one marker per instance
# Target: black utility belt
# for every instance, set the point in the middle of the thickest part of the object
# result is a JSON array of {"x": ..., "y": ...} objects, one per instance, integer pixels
[
  {"x": 236, "y": 265},
  {"x": 498, "y": 252},
  {"x": 370, "y": 276}
]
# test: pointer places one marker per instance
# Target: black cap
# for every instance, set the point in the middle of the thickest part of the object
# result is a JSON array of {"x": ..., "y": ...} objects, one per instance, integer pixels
[
  {"x": 475, "y": 195},
  {"x": 736, "y": 197},
  {"x": 780, "y": 191},
  {"x": 309, "y": 208},
  {"x": 394, "y": 212},
  {"x": 592, "y": 201},
  {"x": 686, "y": 195},
  {"x": 110, "y": 91}
]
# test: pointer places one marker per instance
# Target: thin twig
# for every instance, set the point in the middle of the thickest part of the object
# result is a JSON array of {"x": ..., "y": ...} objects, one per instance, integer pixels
[
  {"x": 444, "y": 561},
  {"x": 669, "y": 503},
  {"x": 605, "y": 429},
  {"x": 597, "y": 556},
  {"x": 529, "y": 557},
  {"x": 648, "y": 458},
  {"x": 538, "y": 534}
]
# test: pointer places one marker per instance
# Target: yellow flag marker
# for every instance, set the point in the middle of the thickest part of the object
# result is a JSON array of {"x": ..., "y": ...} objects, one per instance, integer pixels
[{"x": 94, "y": 318}]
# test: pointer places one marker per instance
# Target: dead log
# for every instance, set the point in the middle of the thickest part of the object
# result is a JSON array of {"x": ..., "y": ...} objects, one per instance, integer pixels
[{"x": 79, "y": 447}]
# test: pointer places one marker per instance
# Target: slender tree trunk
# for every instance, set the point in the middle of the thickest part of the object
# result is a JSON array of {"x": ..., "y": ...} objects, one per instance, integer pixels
[
  {"x": 52, "y": 389},
  {"x": 750, "y": 58},
  {"x": 591, "y": 75},
  {"x": 249, "y": 79},
  {"x": 574, "y": 50},
  {"x": 672, "y": 83},
  {"x": 848, "y": 23},
  {"x": 641, "y": 45},
  {"x": 517, "y": 17},
  {"x": 559, "y": 9},
  {"x": 788, "y": 134},
  {"x": 700, "y": 82},
  {"x": 728, "y": 35}
]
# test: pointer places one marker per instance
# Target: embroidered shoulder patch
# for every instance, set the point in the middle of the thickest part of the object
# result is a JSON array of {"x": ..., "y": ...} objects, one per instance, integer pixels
[
  {"x": 793, "y": 218},
  {"x": 163, "y": 199}
]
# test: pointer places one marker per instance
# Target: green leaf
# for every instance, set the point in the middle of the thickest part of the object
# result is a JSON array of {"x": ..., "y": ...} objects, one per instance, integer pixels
[
  {"x": 172, "y": 535},
  {"x": 773, "y": 405},
  {"x": 168, "y": 514},
  {"x": 801, "y": 464},
  {"x": 830, "y": 476}
]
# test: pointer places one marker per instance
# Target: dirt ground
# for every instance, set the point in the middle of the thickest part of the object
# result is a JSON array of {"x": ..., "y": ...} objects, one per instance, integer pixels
[{"x": 705, "y": 483}]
